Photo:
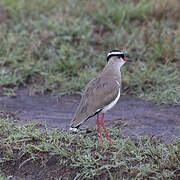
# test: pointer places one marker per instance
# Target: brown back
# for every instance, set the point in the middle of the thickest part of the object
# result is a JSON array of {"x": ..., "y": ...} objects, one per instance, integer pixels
[{"x": 98, "y": 93}]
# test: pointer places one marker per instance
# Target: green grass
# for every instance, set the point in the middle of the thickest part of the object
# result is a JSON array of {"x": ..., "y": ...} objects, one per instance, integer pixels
[
  {"x": 115, "y": 13},
  {"x": 83, "y": 155},
  {"x": 53, "y": 46},
  {"x": 58, "y": 46}
]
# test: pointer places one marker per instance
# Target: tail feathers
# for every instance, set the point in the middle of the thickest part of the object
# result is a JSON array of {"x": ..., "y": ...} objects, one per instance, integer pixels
[
  {"x": 74, "y": 124},
  {"x": 74, "y": 129}
]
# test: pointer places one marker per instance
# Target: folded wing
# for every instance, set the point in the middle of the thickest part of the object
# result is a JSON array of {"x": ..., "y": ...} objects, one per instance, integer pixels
[{"x": 98, "y": 93}]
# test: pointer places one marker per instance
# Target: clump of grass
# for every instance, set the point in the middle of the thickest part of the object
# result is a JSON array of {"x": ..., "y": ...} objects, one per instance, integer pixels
[
  {"x": 158, "y": 81},
  {"x": 54, "y": 65},
  {"x": 113, "y": 14},
  {"x": 166, "y": 9},
  {"x": 3, "y": 176},
  {"x": 83, "y": 156},
  {"x": 21, "y": 10},
  {"x": 54, "y": 48}
]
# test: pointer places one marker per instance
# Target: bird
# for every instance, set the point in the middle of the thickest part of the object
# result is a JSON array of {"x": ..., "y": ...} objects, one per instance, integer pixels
[{"x": 101, "y": 93}]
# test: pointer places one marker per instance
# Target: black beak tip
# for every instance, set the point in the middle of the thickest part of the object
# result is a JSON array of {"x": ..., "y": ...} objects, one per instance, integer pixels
[{"x": 129, "y": 60}]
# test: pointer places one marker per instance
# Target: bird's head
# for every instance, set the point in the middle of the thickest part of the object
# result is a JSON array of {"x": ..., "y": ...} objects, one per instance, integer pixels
[{"x": 117, "y": 56}]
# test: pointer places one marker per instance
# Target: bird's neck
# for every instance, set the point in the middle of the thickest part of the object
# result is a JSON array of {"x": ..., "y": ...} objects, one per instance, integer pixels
[{"x": 112, "y": 69}]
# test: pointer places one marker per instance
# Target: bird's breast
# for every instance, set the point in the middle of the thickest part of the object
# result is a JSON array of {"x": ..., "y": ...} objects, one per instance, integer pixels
[{"x": 109, "y": 106}]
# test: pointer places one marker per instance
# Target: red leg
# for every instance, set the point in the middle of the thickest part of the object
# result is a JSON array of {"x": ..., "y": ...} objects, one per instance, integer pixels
[
  {"x": 99, "y": 128},
  {"x": 105, "y": 128}
]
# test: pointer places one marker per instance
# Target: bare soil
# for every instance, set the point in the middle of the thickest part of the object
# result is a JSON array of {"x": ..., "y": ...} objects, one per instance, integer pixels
[{"x": 137, "y": 116}]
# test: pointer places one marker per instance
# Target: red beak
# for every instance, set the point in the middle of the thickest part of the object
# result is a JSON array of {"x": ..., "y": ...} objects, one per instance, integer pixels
[{"x": 126, "y": 59}]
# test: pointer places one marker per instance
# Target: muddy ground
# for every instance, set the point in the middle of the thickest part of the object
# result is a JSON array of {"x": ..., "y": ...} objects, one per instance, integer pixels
[{"x": 138, "y": 117}]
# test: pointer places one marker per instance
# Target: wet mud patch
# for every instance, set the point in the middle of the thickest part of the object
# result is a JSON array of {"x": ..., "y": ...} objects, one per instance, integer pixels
[{"x": 137, "y": 117}]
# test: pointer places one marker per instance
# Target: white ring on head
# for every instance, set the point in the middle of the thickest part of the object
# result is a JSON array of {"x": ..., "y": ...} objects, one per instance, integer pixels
[{"x": 115, "y": 53}]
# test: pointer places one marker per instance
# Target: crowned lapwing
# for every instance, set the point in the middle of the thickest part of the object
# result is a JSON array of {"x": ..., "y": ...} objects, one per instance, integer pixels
[{"x": 101, "y": 93}]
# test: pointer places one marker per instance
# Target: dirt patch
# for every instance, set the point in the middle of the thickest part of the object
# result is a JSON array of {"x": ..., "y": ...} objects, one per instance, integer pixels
[
  {"x": 138, "y": 117},
  {"x": 46, "y": 168}
]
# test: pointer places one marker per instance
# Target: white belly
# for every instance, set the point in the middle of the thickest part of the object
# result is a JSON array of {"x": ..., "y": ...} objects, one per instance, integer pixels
[{"x": 109, "y": 106}]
